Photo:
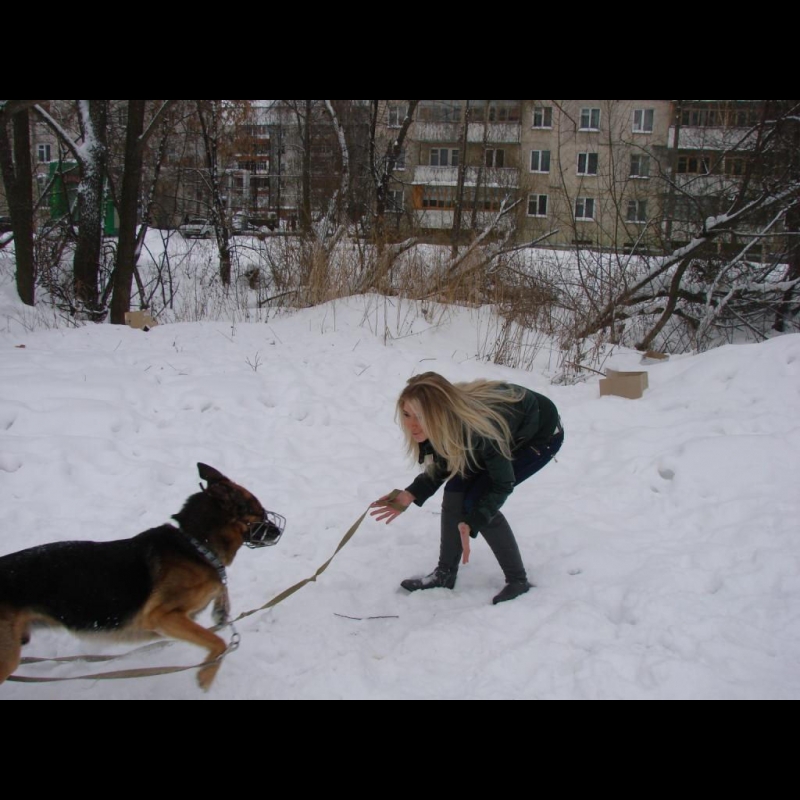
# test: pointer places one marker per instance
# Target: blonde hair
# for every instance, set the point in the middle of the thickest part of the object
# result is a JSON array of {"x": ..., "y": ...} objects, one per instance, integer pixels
[{"x": 455, "y": 415}]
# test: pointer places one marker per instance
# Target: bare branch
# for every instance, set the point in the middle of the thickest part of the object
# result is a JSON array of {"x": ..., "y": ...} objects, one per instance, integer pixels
[{"x": 61, "y": 132}]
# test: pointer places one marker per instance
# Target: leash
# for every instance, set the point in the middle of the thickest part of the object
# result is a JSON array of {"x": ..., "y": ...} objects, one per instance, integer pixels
[
  {"x": 390, "y": 501},
  {"x": 150, "y": 672}
]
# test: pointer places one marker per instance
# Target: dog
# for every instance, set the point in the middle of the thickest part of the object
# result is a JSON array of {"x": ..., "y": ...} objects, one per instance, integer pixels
[{"x": 153, "y": 584}]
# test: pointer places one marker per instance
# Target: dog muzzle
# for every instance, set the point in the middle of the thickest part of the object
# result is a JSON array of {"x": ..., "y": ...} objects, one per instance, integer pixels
[{"x": 267, "y": 532}]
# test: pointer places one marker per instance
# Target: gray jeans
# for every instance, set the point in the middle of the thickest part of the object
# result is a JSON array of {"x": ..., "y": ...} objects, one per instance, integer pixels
[{"x": 497, "y": 533}]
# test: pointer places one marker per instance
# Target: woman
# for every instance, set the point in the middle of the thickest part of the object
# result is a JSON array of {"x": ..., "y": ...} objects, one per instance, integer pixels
[{"x": 483, "y": 438}]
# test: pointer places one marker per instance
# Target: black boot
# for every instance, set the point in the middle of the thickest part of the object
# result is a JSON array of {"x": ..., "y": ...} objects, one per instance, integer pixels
[
  {"x": 444, "y": 576},
  {"x": 512, "y": 590},
  {"x": 504, "y": 546},
  {"x": 438, "y": 579}
]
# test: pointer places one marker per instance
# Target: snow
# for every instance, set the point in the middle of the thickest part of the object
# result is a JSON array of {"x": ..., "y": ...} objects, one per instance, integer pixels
[{"x": 663, "y": 543}]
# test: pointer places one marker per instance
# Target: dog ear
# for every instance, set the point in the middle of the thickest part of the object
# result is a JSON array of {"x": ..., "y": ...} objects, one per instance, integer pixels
[
  {"x": 223, "y": 493},
  {"x": 210, "y": 474}
]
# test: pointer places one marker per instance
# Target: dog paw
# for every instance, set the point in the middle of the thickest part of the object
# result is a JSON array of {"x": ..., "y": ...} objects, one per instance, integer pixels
[{"x": 206, "y": 676}]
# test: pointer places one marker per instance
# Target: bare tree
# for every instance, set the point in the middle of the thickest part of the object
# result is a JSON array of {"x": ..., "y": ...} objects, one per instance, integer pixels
[
  {"x": 17, "y": 172},
  {"x": 685, "y": 242},
  {"x": 212, "y": 117},
  {"x": 90, "y": 153},
  {"x": 304, "y": 112},
  {"x": 461, "y": 174},
  {"x": 136, "y": 139},
  {"x": 384, "y": 158}
]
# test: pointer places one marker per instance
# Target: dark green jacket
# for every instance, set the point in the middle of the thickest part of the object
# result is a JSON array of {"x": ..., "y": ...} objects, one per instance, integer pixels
[{"x": 532, "y": 422}]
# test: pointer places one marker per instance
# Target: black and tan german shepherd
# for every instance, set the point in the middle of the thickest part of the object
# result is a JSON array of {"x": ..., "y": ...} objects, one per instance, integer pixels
[{"x": 151, "y": 584}]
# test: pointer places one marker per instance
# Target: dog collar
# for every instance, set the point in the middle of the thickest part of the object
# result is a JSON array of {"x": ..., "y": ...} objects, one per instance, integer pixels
[{"x": 210, "y": 556}]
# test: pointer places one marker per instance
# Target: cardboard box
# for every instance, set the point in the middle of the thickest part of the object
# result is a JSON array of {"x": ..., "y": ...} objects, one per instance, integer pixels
[
  {"x": 624, "y": 384},
  {"x": 654, "y": 357},
  {"x": 140, "y": 320}
]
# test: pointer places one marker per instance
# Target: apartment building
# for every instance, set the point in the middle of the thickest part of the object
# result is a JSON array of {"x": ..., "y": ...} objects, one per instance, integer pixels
[
  {"x": 466, "y": 158},
  {"x": 628, "y": 174},
  {"x": 593, "y": 171}
]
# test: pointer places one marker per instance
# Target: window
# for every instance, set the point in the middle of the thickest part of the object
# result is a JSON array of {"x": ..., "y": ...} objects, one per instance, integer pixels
[
  {"x": 637, "y": 211},
  {"x": 490, "y": 198},
  {"x": 396, "y": 116},
  {"x": 43, "y": 151},
  {"x": 443, "y": 157},
  {"x": 438, "y": 197},
  {"x": 537, "y": 205},
  {"x": 643, "y": 119},
  {"x": 540, "y": 161},
  {"x": 584, "y": 208},
  {"x": 495, "y": 110},
  {"x": 495, "y": 158},
  {"x": 587, "y": 163},
  {"x": 251, "y": 131},
  {"x": 542, "y": 117},
  {"x": 590, "y": 119},
  {"x": 702, "y": 117},
  {"x": 734, "y": 167},
  {"x": 694, "y": 165},
  {"x": 745, "y": 118},
  {"x": 640, "y": 166},
  {"x": 439, "y": 111},
  {"x": 400, "y": 162},
  {"x": 395, "y": 201},
  {"x": 697, "y": 207}
]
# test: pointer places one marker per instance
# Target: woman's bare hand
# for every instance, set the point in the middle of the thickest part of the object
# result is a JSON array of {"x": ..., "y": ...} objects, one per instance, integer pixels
[
  {"x": 464, "y": 530},
  {"x": 391, "y": 506}
]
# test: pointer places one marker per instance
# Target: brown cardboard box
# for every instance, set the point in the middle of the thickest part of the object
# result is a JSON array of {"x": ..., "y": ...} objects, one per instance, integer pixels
[
  {"x": 654, "y": 357},
  {"x": 624, "y": 384},
  {"x": 140, "y": 320}
]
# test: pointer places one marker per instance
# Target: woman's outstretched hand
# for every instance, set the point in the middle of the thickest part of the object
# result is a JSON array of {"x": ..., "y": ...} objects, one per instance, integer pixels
[
  {"x": 391, "y": 506},
  {"x": 464, "y": 530}
]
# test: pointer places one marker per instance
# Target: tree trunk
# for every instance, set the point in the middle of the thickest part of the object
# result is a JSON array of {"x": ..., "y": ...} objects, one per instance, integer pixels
[
  {"x": 18, "y": 178},
  {"x": 383, "y": 167},
  {"x": 460, "y": 182},
  {"x": 128, "y": 212},
  {"x": 673, "y": 166},
  {"x": 210, "y": 122},
  {"x": 792, "y": 148},
  {"x": 305, "y": 217},
  {"x": 86, "y": 263},
  {"x": 672, "y": 304},
  {"x": 792, "y": 273}
]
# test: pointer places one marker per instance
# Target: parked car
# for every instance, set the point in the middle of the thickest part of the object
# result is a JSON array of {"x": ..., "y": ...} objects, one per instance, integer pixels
[
  {"x": 196, "y": 228},
  {"x": 240, "y": 224},
  {"x": 247, "y": 224},
  {"x": 5, "y": 225},
  {"x": 270, "y": 221}
]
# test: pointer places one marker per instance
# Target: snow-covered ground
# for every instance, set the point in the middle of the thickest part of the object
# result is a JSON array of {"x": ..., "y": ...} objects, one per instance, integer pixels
[{"x": 664, "y": 544}]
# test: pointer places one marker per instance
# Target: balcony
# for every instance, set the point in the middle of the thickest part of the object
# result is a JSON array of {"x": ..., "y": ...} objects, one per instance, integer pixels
[
  {"x": 714, "y": 139},
  {"x": 701, "y": 185},
  {"x": 442, "y": 219},
  {"x": 501, "y": 177},
  {"x": 494, "y": 133}
]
